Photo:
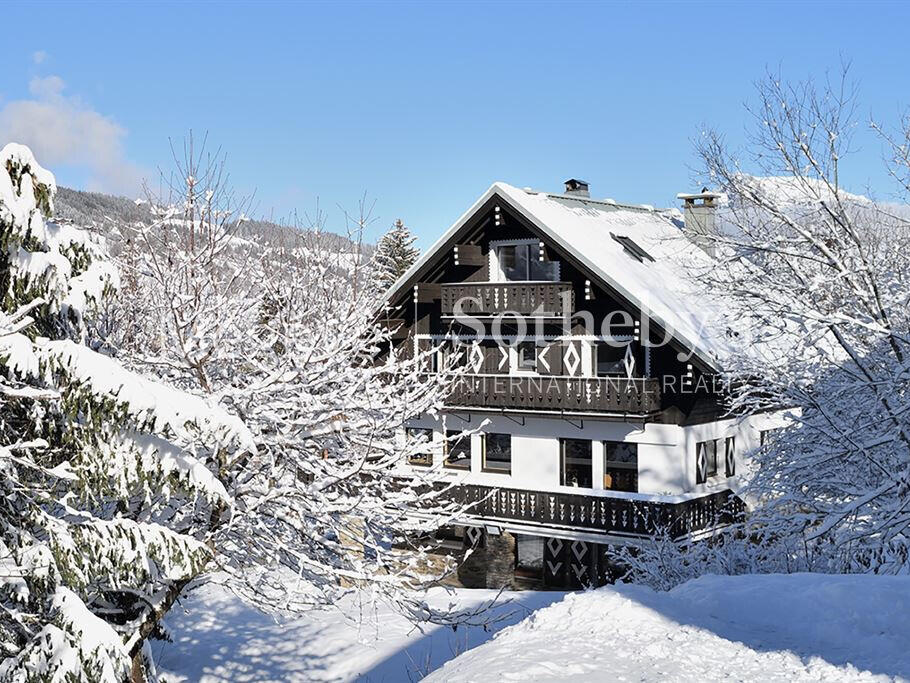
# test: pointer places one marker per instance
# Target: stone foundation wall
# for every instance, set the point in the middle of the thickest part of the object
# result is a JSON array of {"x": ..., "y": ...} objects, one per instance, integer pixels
[{"x": 490, "y": 566}]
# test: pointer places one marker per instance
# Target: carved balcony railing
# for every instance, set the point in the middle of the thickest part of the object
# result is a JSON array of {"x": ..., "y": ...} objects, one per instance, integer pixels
[
  {"x": 600, "y": 514},
  {"x": 525, "y": 298},
  {"x": 558, "y": 394}
]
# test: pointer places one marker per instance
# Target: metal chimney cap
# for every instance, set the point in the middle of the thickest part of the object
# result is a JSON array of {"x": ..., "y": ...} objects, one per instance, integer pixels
[
  {"x": 577, "y": 186},
  {"x": 704, "y": 194}
]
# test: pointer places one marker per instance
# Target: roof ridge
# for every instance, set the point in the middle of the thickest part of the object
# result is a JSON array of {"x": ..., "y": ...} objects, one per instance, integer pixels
[{"x": 590, "y": 200}]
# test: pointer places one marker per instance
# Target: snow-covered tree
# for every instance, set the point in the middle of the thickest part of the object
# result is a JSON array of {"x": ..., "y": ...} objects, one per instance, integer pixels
[
  {"x": 108, "y": 481},
  {"x": 816, "y": 281},
  {"x": 394, "y": 254},
  {"x": 187, "y": 277},
  {"x": 284, "y": 332},
  {"x": 324, "y": 508}
]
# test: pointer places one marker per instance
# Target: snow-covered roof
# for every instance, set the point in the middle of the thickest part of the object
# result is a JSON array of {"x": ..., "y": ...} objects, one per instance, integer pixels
[{"x": 585, "y": 228}]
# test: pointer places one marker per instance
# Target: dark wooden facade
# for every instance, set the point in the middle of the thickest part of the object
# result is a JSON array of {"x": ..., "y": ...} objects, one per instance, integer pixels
[
  {"x": 461, "y": 272},
  {"x": 558, "y": 394}
]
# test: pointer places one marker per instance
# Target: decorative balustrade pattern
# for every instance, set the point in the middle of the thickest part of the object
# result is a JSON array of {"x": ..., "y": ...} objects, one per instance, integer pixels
[
  {"x": 597, "y": 513},
  {"x": 576, "y": 394},
  {"x": 526, "y": 298}
]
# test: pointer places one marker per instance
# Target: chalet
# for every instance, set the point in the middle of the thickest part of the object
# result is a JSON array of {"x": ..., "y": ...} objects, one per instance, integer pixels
[{"x": 590, "y": 386}]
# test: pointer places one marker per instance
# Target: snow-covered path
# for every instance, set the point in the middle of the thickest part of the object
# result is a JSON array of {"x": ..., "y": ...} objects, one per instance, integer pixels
[
  {"x": 799, "y": 627},
  {"x": 216, "y": 637}
]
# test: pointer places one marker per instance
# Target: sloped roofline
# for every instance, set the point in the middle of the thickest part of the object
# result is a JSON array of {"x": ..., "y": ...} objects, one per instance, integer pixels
[{"x": 503, "y": 191}]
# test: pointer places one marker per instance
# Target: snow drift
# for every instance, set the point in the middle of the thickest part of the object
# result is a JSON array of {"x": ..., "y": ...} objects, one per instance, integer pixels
[{"x": 757, "y": 627}]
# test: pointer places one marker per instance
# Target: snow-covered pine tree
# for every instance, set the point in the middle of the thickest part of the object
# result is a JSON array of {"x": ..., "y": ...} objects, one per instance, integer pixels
[
  {"x": 394, "y": 254},
  {"x": 109, "y": 486}
]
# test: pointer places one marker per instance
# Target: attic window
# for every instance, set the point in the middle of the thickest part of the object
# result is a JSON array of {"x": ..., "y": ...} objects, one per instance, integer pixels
[{"x": 632, "y": 248}]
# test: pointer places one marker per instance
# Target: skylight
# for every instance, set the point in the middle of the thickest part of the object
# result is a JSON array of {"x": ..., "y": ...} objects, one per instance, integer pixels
[{"x": 632, "y": 248}]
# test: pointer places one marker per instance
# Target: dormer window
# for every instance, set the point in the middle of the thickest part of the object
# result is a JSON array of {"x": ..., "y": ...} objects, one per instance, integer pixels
[
  {"x": 520, "y": 261},
  {"x": 632, "y": 248}
]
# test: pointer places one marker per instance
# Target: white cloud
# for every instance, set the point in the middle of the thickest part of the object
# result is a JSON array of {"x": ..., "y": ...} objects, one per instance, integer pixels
[
  {"x": 38, "y": 56},
  {"x": 61, "y": 129}
]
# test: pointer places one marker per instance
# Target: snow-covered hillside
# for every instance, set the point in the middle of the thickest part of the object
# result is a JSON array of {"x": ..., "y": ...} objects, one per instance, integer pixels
[
  {"x": 108, "y": 213},
  {"x": 798, "y": 627}
]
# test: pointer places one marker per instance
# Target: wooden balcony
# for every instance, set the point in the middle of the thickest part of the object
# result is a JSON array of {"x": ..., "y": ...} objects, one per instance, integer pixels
[
  {"x": 549, "y": 299},
  {"x": 557, "y": 394},
  {"x": 598, "y": 513}
]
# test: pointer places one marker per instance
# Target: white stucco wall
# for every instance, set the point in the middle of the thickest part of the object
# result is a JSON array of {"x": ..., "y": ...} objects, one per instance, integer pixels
[{"x": 666, "y": 453}]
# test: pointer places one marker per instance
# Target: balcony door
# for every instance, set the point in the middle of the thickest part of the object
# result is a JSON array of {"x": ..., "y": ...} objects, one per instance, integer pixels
[{"x": 519, "y": 261}]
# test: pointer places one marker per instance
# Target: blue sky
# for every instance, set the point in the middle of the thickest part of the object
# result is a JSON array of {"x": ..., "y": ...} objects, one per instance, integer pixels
[{"x": 423, "y": 105}]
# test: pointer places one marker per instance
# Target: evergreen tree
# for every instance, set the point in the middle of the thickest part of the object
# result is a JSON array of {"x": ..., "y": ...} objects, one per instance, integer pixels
[
  {"x": 394, "y": 255},
  {"x": 108, "y": 481}
]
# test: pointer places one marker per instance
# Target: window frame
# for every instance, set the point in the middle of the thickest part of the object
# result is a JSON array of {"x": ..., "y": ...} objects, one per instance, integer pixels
[
  {"x": 483, "y": 458},
  {"x": 620, "y": 465},
  {"x": 563, "y": 480}
]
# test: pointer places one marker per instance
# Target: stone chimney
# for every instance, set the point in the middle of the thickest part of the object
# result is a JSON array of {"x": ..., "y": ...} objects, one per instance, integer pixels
[
  {"x": 576, "y": 187},
  {"x": 699, "y": 214}
]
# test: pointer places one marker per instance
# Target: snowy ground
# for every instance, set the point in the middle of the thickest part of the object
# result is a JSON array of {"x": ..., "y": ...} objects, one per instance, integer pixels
[
  {"x": 216, "y": 637},
  {"x": 755, "y": 628},
  {"x": 800, "y": 627}
]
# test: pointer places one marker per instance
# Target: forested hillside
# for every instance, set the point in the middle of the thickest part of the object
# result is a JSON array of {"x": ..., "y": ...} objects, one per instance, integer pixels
[{"x": 106, "y": 212}]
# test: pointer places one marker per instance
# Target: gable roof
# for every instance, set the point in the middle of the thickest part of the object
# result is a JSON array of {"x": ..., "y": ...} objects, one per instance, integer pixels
[{"x": 582, "y": 227}]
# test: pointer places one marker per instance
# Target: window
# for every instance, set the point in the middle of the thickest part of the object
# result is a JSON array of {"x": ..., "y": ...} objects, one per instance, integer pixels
[
  {"x": 497, "y": 453},
  {"x": 611, "y": 359},
  {"x": 514, "y": 261},
  {"x": 576, "y": 463},
  {"x": 620, "y": 466},
  {"x": 528, "y": 555},
  {"x": 632, "y": 248},
  {"x": 420, "y": 442},
  {"x": 730, "y": 456},
  {"x": 527, "y": 356},
  {"x": 458, "y": 450},
  {"x": 521, "y": 262}
]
